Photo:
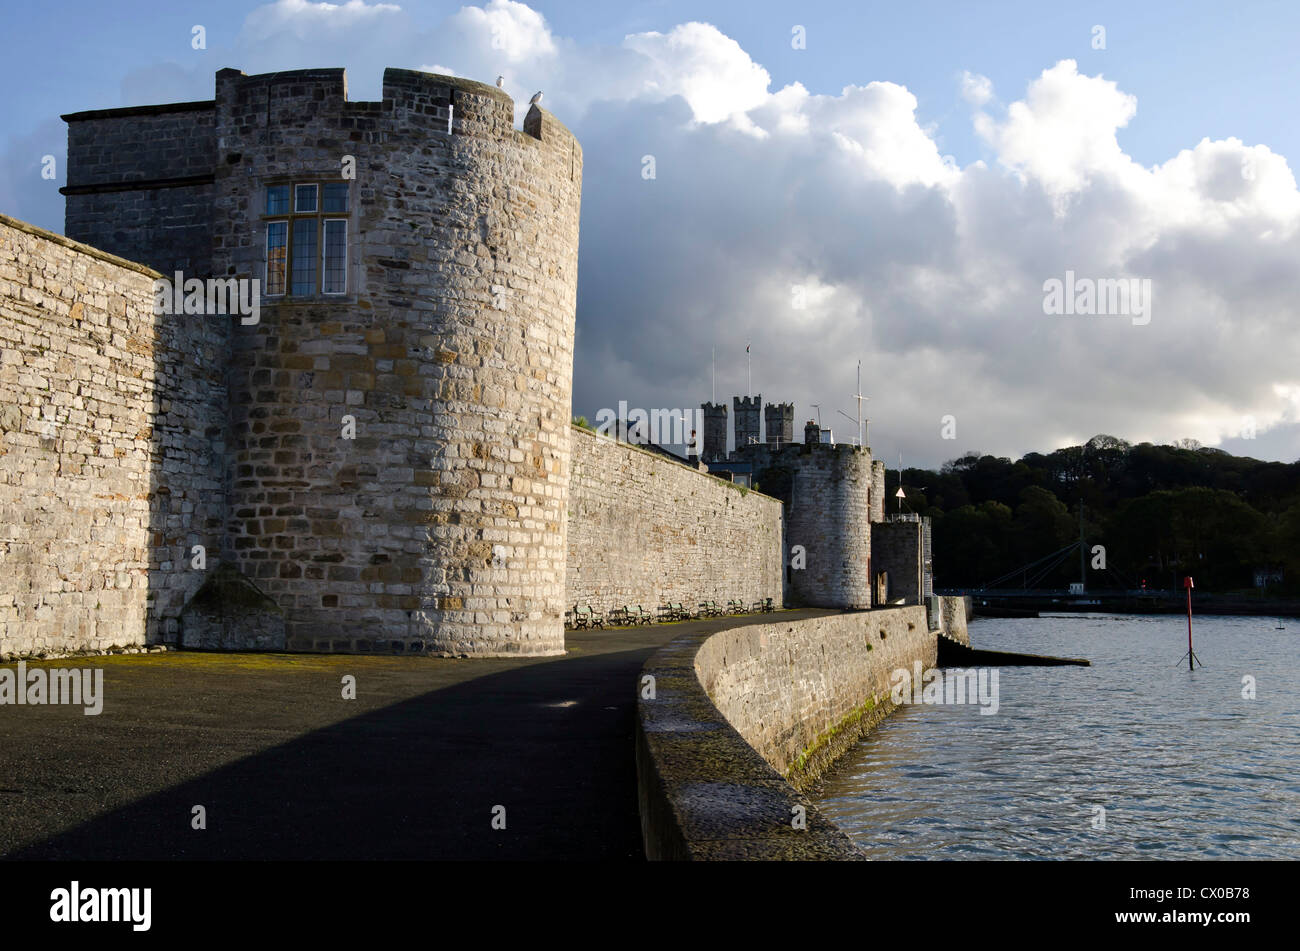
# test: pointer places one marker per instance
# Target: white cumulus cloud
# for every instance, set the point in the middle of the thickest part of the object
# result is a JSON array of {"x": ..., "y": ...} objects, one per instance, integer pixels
[
  {"x": 705, "y": 67},
  {"x": 932, "y": 273}
]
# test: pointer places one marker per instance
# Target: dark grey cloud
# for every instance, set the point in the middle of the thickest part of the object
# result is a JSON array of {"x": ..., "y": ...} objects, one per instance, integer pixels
[{"x": 932, "y": 275}]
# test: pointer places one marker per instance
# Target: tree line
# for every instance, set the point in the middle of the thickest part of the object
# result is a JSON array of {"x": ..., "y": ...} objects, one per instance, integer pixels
[{"x": 1159, "y": 511}]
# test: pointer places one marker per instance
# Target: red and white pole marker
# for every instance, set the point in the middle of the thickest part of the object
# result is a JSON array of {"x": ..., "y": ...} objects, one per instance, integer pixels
[{"x": 1192, "y": 659}]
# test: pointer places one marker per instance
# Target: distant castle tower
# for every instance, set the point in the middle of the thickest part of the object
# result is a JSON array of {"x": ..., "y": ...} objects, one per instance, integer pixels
[
  {"x": 779, "y": 418},
  {"x": 715, "y": 433},
  {"x": 812, "y": 433},
  {"x": 747, "y": 419}
]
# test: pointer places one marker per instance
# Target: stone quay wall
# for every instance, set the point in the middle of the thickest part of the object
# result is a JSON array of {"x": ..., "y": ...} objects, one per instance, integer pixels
[
  {"x": 802, "y": 693},
  {"x": 110, "y": 436},
  {"x": 956, "y": 613},
  {"x": 741, "y": 720},
  {"x": 646, "y": 530}
]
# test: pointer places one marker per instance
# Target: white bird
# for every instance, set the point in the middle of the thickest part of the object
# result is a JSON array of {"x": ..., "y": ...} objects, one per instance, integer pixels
[
  {"x": 537, "y": 97},
  {"x": 501, "y": 82}
]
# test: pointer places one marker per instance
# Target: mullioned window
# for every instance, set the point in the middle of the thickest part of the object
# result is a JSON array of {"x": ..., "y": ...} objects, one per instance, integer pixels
[{"x": 306, "y": 239}]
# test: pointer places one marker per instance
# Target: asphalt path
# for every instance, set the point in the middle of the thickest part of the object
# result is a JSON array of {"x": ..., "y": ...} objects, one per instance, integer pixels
[{"x": 429, "y": 761}]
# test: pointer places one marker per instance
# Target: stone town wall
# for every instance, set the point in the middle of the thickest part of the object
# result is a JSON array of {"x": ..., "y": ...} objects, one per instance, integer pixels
[
  {"x": 110, "y": 440},
  {"x": 644, "y": 530}
]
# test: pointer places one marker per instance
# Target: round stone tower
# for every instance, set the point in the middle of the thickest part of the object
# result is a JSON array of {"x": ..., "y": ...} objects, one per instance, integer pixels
[
  {"x": 399, "y": 445},
  {"x": 828, "y": 513}
]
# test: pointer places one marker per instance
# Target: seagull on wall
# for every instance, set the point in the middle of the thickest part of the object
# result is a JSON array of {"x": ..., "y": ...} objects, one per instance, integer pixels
[
  {"x": 501, "y": 82},
  {"x": 537, "y": 97}
]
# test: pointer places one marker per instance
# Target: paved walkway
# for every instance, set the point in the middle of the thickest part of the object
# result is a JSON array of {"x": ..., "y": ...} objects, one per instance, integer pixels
[{"x": 287, "y": 769}]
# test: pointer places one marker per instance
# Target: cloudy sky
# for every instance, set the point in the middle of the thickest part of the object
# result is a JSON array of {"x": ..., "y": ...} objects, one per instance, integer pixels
[{"x": 831, "y": 185}]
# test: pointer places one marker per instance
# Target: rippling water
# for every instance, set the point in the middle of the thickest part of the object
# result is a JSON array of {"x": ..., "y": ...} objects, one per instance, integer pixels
[{"x": 1182, "y": 764}]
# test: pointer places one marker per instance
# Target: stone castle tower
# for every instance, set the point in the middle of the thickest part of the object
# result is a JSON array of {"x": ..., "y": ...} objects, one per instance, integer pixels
[
  {"x": 747, "y": 419},
  {"x": 715, "y": 432},
  {"x": 830, "y": 497},
  {"x": 395, "y": 458},
  {"x": 830, "y": 516},
  {"x": 779, "y": 419}
]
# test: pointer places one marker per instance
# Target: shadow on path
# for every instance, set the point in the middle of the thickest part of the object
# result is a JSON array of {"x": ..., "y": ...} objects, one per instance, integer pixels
[
  {"x": 550, "y": 740},
  {"x": 415, "y": 780}
]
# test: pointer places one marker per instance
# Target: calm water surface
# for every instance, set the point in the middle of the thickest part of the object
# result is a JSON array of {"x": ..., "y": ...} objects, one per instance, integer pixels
[{"x": 1182, "y": 764}]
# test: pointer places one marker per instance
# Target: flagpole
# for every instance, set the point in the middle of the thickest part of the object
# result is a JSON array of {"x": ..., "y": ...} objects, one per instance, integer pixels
[
  {"x": 862, "y": 436},
  {"x": 900, "y": 483},
  {"x": 749, "y": 373},
  {"x": 714, "y": 354}
]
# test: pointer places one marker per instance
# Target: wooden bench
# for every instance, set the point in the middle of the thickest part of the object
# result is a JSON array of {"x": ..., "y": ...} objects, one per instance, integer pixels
[{"x": 763, "y": 606}]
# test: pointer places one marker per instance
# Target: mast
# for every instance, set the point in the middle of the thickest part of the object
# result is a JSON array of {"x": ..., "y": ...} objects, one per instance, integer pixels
[{"x": 1083, "y": 577}]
